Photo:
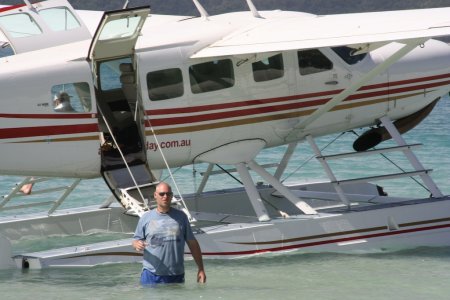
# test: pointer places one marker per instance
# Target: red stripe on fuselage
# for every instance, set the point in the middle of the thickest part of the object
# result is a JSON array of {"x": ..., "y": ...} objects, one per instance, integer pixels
[
  {"x": 360, "y": 96},
  {"x": 235, "y": 113},
  {"x": 58, "y": 116},
  {"x": 392, "y": 92},
  {"x": 236, "y": 104},
  {"x": 242, "y": 109},
  {"x": 208, "y": 116},
  {"x": 3, "y": 9},
  {"x": 9, "y": 133},
  {"x": 332, "y": 241},
  {"x": 402, "y": 82}
]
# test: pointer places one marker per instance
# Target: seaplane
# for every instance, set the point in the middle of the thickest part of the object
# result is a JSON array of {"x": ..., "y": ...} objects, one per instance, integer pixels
[{"x": 125, "y": 94}]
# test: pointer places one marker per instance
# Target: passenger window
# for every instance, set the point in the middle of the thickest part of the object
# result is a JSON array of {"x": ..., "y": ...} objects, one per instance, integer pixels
[
  {"x": 20, "y": 25},
  {"x": 71, "y": 97},
  {"x": 313, "y": 61},
  {"x": 211, "y": 76},
  {"x": 268, "y": 69},
  {"x": 345, "y": 53},
  {"x": 165, "y": 84},
  {"x": 59, "y": 18}
]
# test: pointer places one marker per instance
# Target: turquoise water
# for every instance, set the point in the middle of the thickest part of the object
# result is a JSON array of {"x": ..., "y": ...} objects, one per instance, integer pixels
[
  {"x": 413, "y": 274},
  {"x": 417, "y": 274}
]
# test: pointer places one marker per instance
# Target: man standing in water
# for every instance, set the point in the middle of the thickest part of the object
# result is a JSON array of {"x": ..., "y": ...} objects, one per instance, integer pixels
[{"x": 162, "y": 233}]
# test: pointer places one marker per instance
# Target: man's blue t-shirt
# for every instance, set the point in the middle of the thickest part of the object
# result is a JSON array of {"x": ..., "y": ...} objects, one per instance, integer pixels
[{"x": 165, "y": 235}]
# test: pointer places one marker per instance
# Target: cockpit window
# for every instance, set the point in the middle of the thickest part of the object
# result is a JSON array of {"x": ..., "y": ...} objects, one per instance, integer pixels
[
  {"x": 268, "y": 69},
  {"x": 59, "y": 18},
  {"x": 313, "y": 61},
  {"x": 211, "y": 76},
  {"x": 345, "y": 53},
  {"x": 165, "y": 84},
  {"x": 20, "y": 25},
  {"x": 71, "y": 97}
]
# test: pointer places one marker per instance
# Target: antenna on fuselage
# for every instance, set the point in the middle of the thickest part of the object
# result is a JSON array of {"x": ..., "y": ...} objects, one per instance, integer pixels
[
  {"x": 125, "y": 5},
  {"x": 201, "y": 9},
  {"x": 253, "y": 9}
]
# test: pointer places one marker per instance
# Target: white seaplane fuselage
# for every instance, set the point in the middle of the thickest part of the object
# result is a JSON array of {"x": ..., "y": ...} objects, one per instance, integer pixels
[{"x": 34, "y": 137}]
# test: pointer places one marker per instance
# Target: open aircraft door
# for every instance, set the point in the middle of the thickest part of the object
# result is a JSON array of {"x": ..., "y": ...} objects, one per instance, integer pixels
[{"x": 120, "y": 110}]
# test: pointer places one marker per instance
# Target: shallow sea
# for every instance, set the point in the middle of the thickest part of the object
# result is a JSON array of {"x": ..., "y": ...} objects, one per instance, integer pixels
[{"x": 422, "y": 273}]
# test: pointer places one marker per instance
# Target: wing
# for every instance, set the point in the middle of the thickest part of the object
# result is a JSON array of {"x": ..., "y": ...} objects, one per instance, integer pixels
[{"x": 305, "y": 31}]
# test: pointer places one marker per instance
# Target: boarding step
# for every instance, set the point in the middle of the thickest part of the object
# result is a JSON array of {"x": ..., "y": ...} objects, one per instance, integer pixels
[
  {"x": 118, "y": 251},
  {"x": 132, "y": 200},
  {"x": 133, "y": 185}
]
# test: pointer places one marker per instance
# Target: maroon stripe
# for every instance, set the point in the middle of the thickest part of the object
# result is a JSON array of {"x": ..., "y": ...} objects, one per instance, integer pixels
[
  {"x": 9, "y": 133},
  {"x": 401, "y": 82},
  {"x": 3, "y": 9},
  {"x": 72, "y": 129},
  {"x": 237, "y": 104},
  {"x": 278, "y": 108},
  {"x": 235, "y": 113},
  {"x": 318, "y": 243},
  {"x": 392, "y": 92},
  {"x": 62, "y": 116},
  {"x": 249, "y": 252}
]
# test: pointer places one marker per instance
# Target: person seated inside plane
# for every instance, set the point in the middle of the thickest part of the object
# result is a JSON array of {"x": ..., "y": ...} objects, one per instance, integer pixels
[{"x": 62, "y": 103}]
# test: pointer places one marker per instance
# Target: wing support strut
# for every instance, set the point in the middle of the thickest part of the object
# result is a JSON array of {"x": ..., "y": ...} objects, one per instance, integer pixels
[
  {"x": 201, "y": 10},
  {"x": 253, "y": 9},
  {"x": 336, "y": 100}
]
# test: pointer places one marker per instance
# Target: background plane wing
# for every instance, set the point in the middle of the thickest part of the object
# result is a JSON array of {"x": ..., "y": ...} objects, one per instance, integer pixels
[{"x": 314, "y": 31}]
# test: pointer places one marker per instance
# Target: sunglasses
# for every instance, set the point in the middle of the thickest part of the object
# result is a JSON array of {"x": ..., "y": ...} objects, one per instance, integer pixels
[{"x": 168, "y": 194}]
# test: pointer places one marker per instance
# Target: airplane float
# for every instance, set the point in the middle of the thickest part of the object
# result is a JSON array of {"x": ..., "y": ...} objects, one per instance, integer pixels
[{"x": 124, "y": 94}]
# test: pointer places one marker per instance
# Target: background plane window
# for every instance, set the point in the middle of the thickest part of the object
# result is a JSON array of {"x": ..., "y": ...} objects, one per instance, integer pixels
[
  {"x": 59, "y": 18},
  {"x": 313, "y": 61},
  {"x": 20, "y": 25},
  {"x": 71, "y": 97},
  {"x": 268, "y": 69},
  {"x": 165, "y": 84},
  {"x": 345, "y": 53},
  {"x": 211, "y": 76}
]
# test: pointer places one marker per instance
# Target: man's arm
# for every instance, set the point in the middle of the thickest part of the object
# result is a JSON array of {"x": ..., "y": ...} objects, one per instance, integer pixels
[
  {"x": 138, "y": 242},
  {"x": 197, "y": 255}
]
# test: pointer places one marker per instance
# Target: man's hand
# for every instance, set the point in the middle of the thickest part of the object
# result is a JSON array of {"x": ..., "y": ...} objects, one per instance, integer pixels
[
  {"x": 138, "y": 245},
  {"x": 201, "y": 276}
]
